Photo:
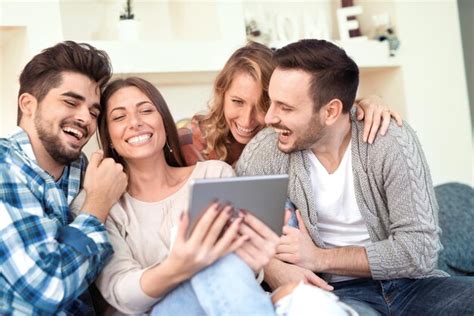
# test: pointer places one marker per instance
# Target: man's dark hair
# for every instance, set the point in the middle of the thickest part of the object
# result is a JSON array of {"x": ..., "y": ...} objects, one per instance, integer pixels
[
  {"x": 43, "y": 72},
  {"x": 334, "y": 74}
]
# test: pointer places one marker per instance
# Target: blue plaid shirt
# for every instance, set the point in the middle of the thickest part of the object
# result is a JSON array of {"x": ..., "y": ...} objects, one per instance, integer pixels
[{"x": 47, "y": 258}]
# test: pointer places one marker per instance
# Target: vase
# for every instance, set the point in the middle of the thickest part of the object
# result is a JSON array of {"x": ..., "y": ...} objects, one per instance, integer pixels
[{"x": 128, "y": 30}]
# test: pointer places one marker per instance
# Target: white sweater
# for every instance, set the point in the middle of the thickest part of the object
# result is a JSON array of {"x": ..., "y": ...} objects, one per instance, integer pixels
[{"x": 140, "y": 235}]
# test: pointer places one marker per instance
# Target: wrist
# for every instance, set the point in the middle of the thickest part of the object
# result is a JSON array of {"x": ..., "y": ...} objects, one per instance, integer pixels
[
  {"x": 323, "y": 261},
  {"x": 96, "y": 209},
  {"x": 176, "y": 271}
]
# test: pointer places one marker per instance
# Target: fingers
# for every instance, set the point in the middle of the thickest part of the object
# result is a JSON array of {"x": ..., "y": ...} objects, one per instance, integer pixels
[
  {"x": 318, "y": 282},
  {"x": 286, "y": 257},
  {"x": 204, "y": 223},
  {"x": 286, "y": 248},
  {"x": 252, "y": 256},
  {"x": 260, "y": 227},
  {"x": 301, "y": 224},
  {"x": 375, "y": 125},
  {"x": 367, "y": 123},
  {"x": 385, "y": 122},
  {"x": 96, "y": 158},
  {"x": 359, "y": 113},
  {"x": 287, "y": 231},
  {"x": 397, "y": 117},
  {"x": 245, "y": 256},
  {"x": 217, "y": 225},
  {"x": 182, "y": 227},
  {"x": 230, "y": 240},
  {"x": 235, "y": 245},
  {"x": 287, "y": 216},
  {"x": 265, "y": 245}
]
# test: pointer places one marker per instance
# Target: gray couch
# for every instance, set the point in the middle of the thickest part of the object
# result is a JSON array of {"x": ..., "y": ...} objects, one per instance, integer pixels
[{"x": 456, "y": 219}]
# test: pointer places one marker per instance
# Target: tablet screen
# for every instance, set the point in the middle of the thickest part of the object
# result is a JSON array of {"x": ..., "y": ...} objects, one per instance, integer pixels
[{"x": 263, "y": 196}]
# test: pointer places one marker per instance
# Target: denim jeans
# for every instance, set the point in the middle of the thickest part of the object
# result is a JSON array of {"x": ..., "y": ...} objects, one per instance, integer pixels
[
  {"x": 430, "y": 296},
  {"x": 227, "y": 287}
]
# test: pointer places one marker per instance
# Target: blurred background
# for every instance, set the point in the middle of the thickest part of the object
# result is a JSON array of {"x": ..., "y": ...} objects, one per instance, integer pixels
[{"x": 418, "y": 55}]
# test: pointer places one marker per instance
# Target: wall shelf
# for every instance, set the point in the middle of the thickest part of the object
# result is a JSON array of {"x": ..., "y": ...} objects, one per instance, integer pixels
[{"x": 166, "y": 57}]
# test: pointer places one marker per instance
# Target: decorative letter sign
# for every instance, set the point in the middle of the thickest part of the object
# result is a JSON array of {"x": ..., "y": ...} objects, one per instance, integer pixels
[{"x": 346, "y": 25}]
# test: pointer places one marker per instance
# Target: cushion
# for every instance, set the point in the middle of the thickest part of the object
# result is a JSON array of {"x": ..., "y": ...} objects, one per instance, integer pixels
[{"x": 456, "y": 219}]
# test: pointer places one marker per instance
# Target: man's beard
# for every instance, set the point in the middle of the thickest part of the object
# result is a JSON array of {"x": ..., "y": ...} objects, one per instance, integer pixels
[
  {"x": 313, "y": 133},
  {"x": 53, "y": 144}
]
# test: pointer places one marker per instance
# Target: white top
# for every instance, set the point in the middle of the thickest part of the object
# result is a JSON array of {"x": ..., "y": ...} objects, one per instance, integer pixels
[
  {"x": 140, "y": 235},
  {"x": 340, "y": 222}
]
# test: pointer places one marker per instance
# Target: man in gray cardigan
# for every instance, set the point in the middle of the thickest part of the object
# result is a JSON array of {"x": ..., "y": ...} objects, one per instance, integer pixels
[{"x": 367, "y": 213}]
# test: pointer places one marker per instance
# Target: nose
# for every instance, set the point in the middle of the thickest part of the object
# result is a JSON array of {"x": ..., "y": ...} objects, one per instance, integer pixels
[
  {"x": 135, "y": 121},
  {"x": 270, "y": 117},
  {"x": 247, "y": 115},
  {"x": 83, "y": 115}
]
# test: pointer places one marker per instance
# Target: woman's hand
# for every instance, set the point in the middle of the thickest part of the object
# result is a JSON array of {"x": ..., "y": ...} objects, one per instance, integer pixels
[
  {"x": 261, "y": 245},
  {"x": 207, "y": 242},
  {"x": 373, "y": 111}
]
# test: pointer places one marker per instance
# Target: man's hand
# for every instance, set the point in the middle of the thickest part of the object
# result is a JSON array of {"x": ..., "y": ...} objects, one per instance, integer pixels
[
  {"x": 104, "y": 183},
  {"x": 297, "y": 247},
  {"x": 278, "y": 273}
]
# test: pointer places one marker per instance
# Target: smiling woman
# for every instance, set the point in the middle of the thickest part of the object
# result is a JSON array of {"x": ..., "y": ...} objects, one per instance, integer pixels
[
  {"x": 135, "y": 102},
  {"x": 137, "y": 130}
]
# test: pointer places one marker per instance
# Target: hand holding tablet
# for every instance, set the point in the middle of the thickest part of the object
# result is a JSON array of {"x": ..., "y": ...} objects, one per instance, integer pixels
[{"x": 263, "y": 196}]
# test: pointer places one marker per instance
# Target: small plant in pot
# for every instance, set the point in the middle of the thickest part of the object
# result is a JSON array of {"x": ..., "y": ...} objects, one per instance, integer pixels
[{"x": 128, "y": 13}]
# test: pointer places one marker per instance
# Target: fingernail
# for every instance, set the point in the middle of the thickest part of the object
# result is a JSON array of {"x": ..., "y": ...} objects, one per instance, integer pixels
[{"x": 219, "y": 207}]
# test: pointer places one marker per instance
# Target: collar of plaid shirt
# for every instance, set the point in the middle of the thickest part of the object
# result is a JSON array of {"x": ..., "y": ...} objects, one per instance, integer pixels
[{"x": 69, "y": 182}]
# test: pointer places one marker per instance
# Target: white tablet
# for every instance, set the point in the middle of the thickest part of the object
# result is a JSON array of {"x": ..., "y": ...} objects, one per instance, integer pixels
[{"x": 263, "y": 196}]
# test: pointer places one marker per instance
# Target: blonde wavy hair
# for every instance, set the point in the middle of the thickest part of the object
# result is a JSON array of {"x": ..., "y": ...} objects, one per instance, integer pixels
[{"x": 254, "y": 59}]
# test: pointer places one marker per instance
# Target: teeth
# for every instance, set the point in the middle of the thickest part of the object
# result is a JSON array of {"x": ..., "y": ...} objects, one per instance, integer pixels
[
  {"x": 139, "y": 139},
  {"x": 245, "y": 130},
  {"x": 284, "y": 132},
  {"x": 73, "y": 131}
]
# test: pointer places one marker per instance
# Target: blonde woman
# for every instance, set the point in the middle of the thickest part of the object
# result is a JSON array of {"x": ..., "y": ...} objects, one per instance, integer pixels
[{"x": 239, "y": 105}]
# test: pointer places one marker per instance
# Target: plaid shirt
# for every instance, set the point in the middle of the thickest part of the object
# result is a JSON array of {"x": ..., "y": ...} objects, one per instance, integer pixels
[{"x": 47, "y": 258}]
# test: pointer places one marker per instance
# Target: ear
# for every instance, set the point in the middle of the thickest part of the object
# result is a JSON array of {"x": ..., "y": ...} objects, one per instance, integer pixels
[
  {"x": 331, "y": 111},
  {"x": 28, "y": 104}
]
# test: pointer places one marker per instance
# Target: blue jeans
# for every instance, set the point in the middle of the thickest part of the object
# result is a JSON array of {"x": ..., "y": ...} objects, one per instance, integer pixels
[
  {"x": 227, "y": 287},
  {"x": 430, "y": 296}
]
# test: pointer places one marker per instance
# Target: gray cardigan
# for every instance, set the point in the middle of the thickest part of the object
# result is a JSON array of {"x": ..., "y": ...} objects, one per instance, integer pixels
[{"x": 393, "y": 190}]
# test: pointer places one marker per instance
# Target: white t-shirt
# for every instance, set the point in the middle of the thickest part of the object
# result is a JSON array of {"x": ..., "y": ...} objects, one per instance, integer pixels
[{"x": 340, "y": 222}]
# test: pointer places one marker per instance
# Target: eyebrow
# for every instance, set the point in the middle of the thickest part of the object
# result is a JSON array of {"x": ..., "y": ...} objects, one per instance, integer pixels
[
  {"x": 280, "y": 103},
  {"x": 137, "y": 105},
  {"x": 80, "y": 98}
]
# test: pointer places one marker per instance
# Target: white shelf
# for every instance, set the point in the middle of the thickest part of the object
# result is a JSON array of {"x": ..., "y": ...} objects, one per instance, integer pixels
[
  {"x": 166, "y": 57},
  {"x": 369, "y": 54},
  {"x": 178, "y": 57}
]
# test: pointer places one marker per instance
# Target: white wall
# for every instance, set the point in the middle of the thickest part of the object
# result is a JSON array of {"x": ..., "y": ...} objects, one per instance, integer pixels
[
  {"x": 435, "y": 86},
  {"x": 26, "y": 27},
  {"x": 429, "y": 88},
  {"x": 466, "y": 14}
]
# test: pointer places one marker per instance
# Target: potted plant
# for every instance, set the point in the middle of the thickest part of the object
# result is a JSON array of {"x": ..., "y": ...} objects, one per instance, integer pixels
[
  {"x": 128, "y": 14},
  {"x": 128, "y": 27}
]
